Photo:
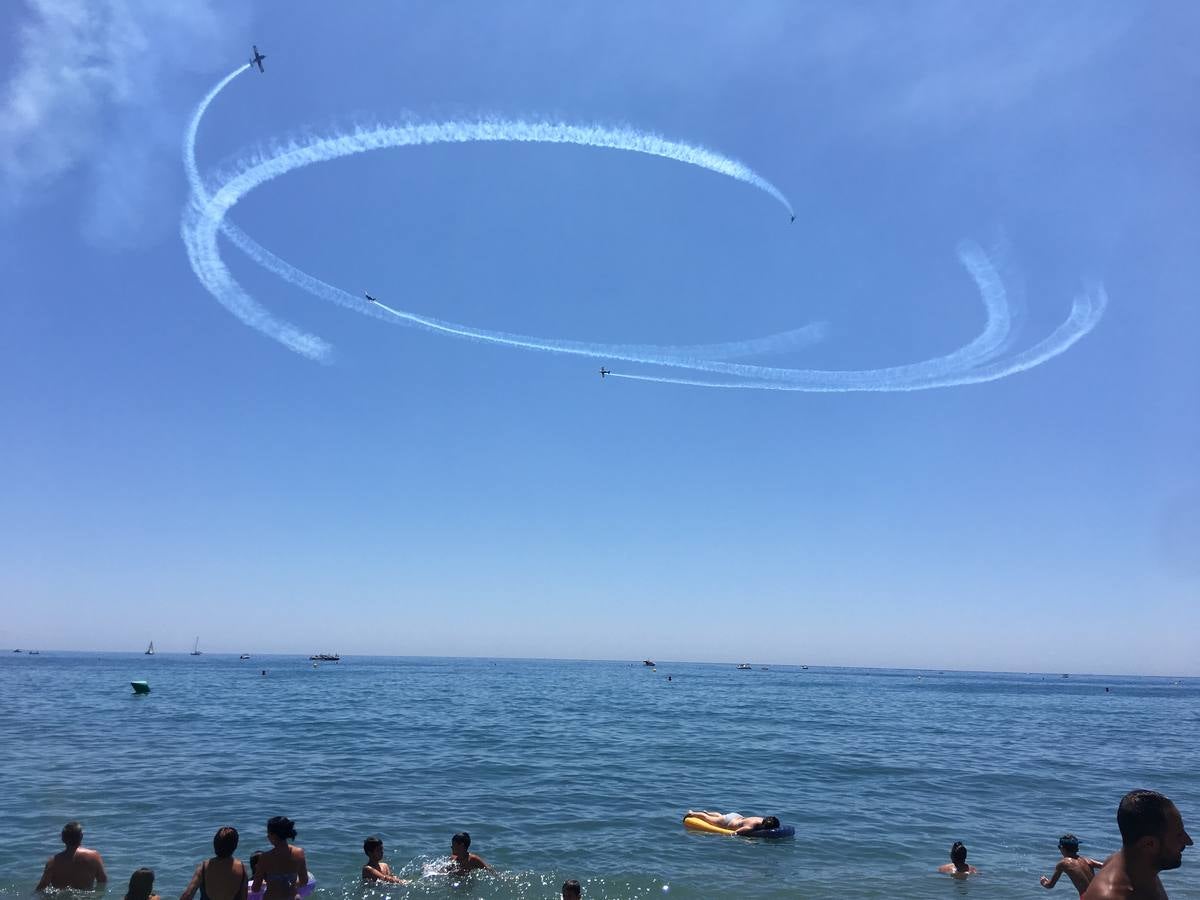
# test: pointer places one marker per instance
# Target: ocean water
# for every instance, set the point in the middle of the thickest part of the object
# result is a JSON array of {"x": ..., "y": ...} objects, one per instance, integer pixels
[{"x": 583, "y": 770}]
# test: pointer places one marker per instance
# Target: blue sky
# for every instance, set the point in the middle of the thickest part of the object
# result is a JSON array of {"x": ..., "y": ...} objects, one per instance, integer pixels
[{"x": 170, "y": 472}]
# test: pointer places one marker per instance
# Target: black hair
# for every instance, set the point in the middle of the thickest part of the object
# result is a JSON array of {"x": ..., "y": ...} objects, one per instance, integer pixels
[
  {"x": 1142, "y": 814},
  {"x": 958, "y": 853},
  {"x": 461, "y": 838},
  {"x": 281, "y": 827},
  {"x": 141, "y": 885},
  {"x": 571, "y": 889},
  {"x": 1069, "y": 840},
  {"x": 374, "y": 842},
  {"x": 72, "y": 834},
  {"x": 225, "y": 841},
  {"x": 254, "y": 858},
  {"x": 769, "y": 822}
]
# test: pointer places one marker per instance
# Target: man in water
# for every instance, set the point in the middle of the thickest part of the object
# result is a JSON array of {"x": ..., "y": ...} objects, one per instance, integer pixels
[
  {"x": 958, "y": 862},
  {"x": 1152, "y": 839},
  {"x": 1080, "y": 869},
  {"x": 735, "y": 822},
  {"x": 462, "y": 860},
  {"x": 76, "y": 866}
]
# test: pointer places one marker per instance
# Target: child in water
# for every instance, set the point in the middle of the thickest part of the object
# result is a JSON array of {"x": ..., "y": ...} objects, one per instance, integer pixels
[{"x": 376, "y": 869}]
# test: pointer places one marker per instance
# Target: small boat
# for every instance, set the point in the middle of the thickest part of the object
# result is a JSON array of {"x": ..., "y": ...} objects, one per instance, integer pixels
[
  {"x": 804, "y": 667},
  {"x": 648, "y": 662},
  {"x": 35, "y": 652},
  {"x": 140, "y": 687},
  {"x": 325, "y": 657},
  {"x": 244, "y": 656},
  {"x": 150, "y": 649},
  {"x": 745, "y": 666},
  {"x": 18, "y": 651},
  {"x": 195, "y": 648}
]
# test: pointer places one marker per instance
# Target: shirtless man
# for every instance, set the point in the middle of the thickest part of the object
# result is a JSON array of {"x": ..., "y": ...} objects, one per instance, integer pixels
[
  {"x": 1080, "y": 869},
  {"x": 735, "y": 822},
  {"x": 76, "y": 866},
  {"x": 462, "y": 860},
  {"x": 1152, "y": 839},
  {"x": 958, "y": 862}
]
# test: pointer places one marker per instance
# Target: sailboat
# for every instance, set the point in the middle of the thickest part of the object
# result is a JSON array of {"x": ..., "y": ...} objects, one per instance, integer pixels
[
  {"x": 196, "y": 648},
  {"x": 150, "y": 649}
]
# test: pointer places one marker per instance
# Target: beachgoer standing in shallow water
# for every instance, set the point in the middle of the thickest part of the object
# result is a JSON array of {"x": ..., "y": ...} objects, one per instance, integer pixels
[
  {"x": 958, "y": 862},
  {"x": 462, "y": 860},
  {"x": 735, "y": 822},
  {"x": 76, "y": 866},
  {"x": 223, "y": 877},
  {"x": 1080, "y": 869},
  {"x": 282, "y": 868},
  {"x": 141, "y": 886},
  {"x": 1152, "y": 840},
  {"x": 571, "y": 890},
  {"x": 376, "y": 869}
]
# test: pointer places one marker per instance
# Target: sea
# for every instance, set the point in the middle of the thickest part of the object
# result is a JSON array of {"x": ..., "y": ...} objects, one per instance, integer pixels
[{"x": 583, "y": 769}]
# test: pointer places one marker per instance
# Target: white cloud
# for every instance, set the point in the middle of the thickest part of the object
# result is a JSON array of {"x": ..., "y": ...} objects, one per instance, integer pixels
[{"x": 96, "y": 89}]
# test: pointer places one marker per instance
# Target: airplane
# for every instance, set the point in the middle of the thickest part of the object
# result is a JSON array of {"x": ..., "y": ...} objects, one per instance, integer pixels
[
  {"x": 604, "y": 372},
  {"x": 369, "y": 297},
  {"x": 257, "y": 60}
]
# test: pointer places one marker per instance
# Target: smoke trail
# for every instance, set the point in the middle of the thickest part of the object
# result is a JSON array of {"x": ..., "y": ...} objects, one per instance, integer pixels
[{"x": 206, "y": 217}]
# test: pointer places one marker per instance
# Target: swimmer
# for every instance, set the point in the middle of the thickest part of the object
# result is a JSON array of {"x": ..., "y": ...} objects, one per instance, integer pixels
[
  {"x": 141, "y": 886},
  {"x": 462, "y": 860},
  {"x": 958, "y": 862},
  {"x": 1080, "y": 869},
  {"x": 735, "y": 822},
  {"x": 571, "y": 890},
  {"x": 283, "y": 868},
  {"x": 1152, "y": 840},
  {"x": 76, "y": 866},
  {"x": 376, "y": 869}
]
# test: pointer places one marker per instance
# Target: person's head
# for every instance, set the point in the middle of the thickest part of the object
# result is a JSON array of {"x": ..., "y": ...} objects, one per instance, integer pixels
[
  {"x": 1152, "y": 828},
  {"x": 958, "y": 853},
  {"x": 72, "y": 834},
  {"x": 225, "y": 842},
  {"x": 281, "y": 828},
  {"x": 769, "y": 822},
  {"x": 141, "y": 885},
  {"x": 373, "y": 847},
  {"x": 254, "y": 858},
  {"x": 1068, "y": 845},
  {"x": 460, "y": 843},
  {"x": 571, "y": 890}
]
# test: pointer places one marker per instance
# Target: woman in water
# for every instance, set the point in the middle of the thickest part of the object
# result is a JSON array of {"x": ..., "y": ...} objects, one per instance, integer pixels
[
  {"x": 141, "y": 886},
  {"x": 223, "y": 877},
  {"x": 283, "y": 867}
]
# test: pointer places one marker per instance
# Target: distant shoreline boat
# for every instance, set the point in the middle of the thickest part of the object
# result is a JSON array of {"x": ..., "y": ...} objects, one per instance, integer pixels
[
  {"x": 195, "y": 648},
  {"x": 244, "y": 656},
  {"x": 326, "y": 657},
  {"x": 647, "y": 662},
  {"x": 150, "y": 649},
  {"x": 745, "y": 666}
]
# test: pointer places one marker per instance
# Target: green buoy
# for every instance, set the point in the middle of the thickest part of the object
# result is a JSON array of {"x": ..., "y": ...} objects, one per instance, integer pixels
[{"x": 141, "y": 687}]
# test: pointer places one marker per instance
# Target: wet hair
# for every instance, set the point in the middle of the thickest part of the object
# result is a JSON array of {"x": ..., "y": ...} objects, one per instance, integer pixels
[
  {"x": 461, "y": 838},
  {"x": 225, "y": 841},
  {"x": 958, "y": 853},
  {"x": 372, "y": 843},
  {"x": 769, "y": 822},
  {"x": 254, "y": 858},
  {"x": 72, "y": 834},
  {"x": 1142, "y": 814},
  {"x": 1069, "y": 841},
  {"x": 141, "y": 885},
  {"x": 571, "y": 890},
  {"x": 281, "y": 827}
]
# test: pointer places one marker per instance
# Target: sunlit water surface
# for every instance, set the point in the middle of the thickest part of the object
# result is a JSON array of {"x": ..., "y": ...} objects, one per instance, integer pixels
[{"x": 581, "y": 769}]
